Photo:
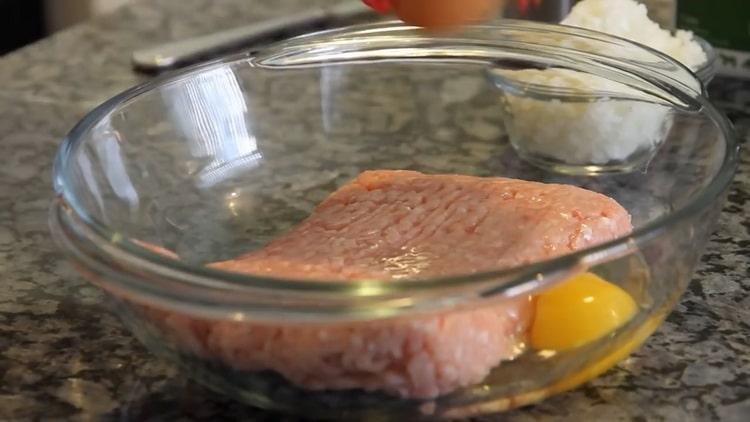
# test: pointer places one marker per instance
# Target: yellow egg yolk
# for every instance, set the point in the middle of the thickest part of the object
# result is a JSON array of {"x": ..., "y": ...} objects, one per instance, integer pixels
[{"x": 578, "y": 311}]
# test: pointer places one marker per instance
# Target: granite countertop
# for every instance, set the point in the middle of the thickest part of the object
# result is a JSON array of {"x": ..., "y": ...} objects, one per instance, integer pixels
[{"x": 64, "y": 357}]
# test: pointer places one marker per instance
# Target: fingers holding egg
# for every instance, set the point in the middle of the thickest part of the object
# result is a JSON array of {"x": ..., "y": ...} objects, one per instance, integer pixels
[{"x": 439, "y": 14}]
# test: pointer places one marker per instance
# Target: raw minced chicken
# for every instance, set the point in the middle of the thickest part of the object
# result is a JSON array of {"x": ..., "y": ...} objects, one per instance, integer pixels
[
  {"x": 629, "y": 19},
  {"x": 389, "y": 225}
]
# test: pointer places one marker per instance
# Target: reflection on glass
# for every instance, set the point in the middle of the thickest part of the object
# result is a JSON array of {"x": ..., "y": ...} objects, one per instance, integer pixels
[
  {"x": 210, "y": 111},
  {"x": 330, "y": 81},
  {"x": 110, "y": 155},
  {"x": 86, "y": 170},
  {"x": 106, "y": 156}
]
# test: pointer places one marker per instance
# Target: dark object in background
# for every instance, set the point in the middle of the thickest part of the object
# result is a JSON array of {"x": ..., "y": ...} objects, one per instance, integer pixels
[
  {"x": 21, "y": 22},
  {"x": 726, "y": 25},
  {"x": 552, "y": 11}
]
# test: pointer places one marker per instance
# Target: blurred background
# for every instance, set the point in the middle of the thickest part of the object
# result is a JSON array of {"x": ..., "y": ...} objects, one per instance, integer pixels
[
  {"x": 25, "y": 21},
  {"x": 725, "y": 23}
]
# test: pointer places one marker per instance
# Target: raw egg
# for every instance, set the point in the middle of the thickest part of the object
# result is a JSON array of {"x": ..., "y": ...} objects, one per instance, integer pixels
[{"x": 578, "y": 311}]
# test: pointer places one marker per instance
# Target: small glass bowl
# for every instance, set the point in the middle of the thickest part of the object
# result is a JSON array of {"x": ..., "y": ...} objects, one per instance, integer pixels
[
  {"x": 573, "y": 122},
  {"x": 217, "y": 160},
  {"x": 589, "y": 124}
]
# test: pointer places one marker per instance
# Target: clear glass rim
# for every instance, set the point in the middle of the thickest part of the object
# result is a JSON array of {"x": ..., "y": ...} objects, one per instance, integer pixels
[
  {"x": 707, "y": 72},
  {"x": 704, "y": 74},
  {"x": 71, "y": 223}
]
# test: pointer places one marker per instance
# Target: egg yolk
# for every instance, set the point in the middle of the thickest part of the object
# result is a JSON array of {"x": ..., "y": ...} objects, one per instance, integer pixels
[{"x": 578, "y": 311}]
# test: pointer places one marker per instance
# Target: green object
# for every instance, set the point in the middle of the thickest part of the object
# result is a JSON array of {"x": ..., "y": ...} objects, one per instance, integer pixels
[{"x": 723, "y": 23}]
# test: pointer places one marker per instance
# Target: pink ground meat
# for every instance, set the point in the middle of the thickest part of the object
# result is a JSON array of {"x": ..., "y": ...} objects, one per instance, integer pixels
[{"x": 397, "y": 224}]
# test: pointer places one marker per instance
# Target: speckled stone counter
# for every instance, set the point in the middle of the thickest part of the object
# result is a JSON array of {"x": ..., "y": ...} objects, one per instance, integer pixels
[{"x": 64, "y": 357}]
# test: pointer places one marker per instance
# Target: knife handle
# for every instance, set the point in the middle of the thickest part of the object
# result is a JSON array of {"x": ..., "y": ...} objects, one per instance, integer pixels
[{"x": 177, "y": 53}]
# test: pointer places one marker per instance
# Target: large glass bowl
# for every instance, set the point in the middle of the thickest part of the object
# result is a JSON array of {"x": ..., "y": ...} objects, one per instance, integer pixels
[{"x": 219, "y": 159}]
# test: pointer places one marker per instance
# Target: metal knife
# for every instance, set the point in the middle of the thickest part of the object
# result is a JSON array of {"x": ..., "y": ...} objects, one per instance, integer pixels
[{"x": 184, "y": 52}]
